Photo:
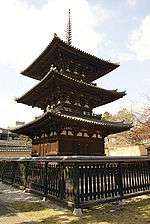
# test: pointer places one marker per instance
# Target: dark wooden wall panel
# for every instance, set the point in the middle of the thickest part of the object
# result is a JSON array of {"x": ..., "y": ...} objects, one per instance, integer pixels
[
  {"x": 81, "y": 146},
  {"x": 67, "y": 145}
]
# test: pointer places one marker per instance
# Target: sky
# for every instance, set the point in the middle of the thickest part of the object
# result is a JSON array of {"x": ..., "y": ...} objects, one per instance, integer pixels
[{"x": 115, "y": 30}]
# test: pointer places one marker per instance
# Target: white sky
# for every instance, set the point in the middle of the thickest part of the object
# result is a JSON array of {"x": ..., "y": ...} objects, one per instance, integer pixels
[{"x": 116, "y": 30}]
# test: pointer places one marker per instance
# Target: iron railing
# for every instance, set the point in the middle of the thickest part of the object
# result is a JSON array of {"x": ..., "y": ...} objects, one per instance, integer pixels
[{"x": 79, "y": 180}]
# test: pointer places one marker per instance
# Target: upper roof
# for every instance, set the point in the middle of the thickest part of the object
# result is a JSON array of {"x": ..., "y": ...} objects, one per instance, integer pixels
[
  {"x": 34, "y": 97},
  {"x": 59, "y": 53}
]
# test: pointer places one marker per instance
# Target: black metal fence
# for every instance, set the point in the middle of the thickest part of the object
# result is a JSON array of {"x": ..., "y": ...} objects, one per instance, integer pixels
[{"x": 79, "y": 181}]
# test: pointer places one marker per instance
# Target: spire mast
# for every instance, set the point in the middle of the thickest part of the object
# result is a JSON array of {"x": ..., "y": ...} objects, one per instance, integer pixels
[{"x": 69, "y": 30}]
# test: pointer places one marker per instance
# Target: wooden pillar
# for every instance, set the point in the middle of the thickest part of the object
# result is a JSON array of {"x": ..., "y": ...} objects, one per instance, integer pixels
[{"x": 103, "y": 146}]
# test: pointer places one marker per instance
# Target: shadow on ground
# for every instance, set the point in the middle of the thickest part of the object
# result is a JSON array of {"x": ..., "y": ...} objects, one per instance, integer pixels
[
  {"x": 4, "y": 211},
  {"x": 135, "y": 212}
]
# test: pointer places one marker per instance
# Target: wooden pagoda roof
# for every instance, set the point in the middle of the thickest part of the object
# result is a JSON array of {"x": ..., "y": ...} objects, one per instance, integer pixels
[
  {"x": 59, "y": 51},
  {"x": 35, "y": 96},
  {"x": 57, "y": 119}
]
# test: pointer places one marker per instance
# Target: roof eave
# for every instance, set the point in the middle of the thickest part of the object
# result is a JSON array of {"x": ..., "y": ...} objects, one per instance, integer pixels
[
  {"x": 54, "y": 73},
  {"x": 57, "y": 40},
  {"x": 109, "y": 127}
]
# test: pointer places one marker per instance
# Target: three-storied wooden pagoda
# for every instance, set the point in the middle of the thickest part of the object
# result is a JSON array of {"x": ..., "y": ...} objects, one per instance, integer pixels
[{"x": 67, "y": 95}]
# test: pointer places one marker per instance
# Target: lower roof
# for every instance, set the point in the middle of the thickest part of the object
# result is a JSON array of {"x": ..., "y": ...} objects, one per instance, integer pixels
[{"x": 58, "y": 120}]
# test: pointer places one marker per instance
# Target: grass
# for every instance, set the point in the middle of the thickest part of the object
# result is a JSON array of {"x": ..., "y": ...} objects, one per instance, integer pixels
[{"x": 134, "y": 212}]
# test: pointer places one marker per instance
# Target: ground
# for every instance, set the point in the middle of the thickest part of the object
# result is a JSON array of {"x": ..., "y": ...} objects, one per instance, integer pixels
[{"x": 32, "y": 209}]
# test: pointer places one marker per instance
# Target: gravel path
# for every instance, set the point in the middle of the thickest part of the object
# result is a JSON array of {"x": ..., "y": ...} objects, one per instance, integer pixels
[
  {"x": 9, "y": 194},
  {"x": 8, "y": 215}
]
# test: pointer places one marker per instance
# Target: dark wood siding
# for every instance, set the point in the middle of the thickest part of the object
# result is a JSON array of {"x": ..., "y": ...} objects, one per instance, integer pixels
[{"x": 81, "y": 146}]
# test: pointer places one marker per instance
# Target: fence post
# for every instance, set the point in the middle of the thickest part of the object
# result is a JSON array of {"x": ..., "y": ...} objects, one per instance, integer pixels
[
  {"x": 1, "y": 167},
  {"x": 120, "y": 184},
  {"x": 26, "y": 164},
  {"x": 62, "y": 182},
  {"x": 45, "y": 181},
  {"x": 27, "y": 184},
  {"x": 14, "y": 169},
  {"x": 77, "y": 209},
  {"x": 2, "y": 170}
]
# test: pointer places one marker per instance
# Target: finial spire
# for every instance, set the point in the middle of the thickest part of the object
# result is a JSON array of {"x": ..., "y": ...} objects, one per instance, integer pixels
[{"x": 69, "y": 30}]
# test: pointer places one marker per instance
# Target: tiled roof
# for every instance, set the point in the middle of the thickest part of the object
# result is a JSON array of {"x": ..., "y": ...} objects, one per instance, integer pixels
[
  {"x": 56, "y": 43},
  {"x": 14, "y": 148},
  {"x": 51, "y": 115},
  {"x": 6, "y": 132},
  {"x": 94, "y": 121},
  {"x": 63, "y": 76},
  {"x": 14, "y": 143}
]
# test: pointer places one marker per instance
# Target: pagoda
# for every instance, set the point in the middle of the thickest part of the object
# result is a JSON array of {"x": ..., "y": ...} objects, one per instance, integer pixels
[{"x": 67, "y": 95}]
